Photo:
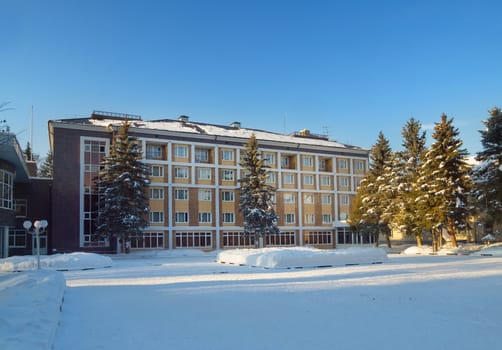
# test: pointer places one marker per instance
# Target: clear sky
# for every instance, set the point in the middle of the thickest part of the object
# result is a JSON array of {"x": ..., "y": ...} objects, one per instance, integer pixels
[{"x": 346, "y": 68}]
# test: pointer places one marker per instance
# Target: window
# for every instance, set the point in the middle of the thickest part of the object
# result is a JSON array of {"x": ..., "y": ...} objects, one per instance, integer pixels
[
  {"x": 156, "y": 193},
  {"x": 17, "y": 238},
  {"x": 270, "y": 178},
  {"x": 201, "y": 155},
  {"x": 228, "y": 218},
  {"x": 307, "y": 162},
  {"x": 308, "y": 198},
  {"x": 359, "y": 165},
  {"x": 343, "y": 216},
  {"x": 343, "y": 181},
  {"x": 181, "y": 194},
  {"x": 289, "y": 179},
  {"x": 204, "y": 174},
  {"x": 289, "y": 198},
  {"x": 157, "y": 171},
  {"x": 357, "y": 182},
  {"x": 322, "y": 164},
  {"x": 308, "y": 179},
  {"x": 21, "y": 207},
  {"x": 181, "y": 151},
  {"x": 268, "y": 158},
  {"x": 193, "y": 239},
  {"x": 227, "y": 175},
  {"x": 204, "y": 195},
  {"x": 153, "y": 152},
  {"x": 237, "y": 239},
  {"x": 284, "y": 162},
  {"x": 310, "y": 218},
  {"x": 181, "y": 217},
  {"x": 148, "y": 240},
  {"x": 227, "y": 155},
  {"x": 326, "y": 199},
  {"x": 227, "y": 196},
  {"x": 342, "y": 163},
  {"x": 281, "y": 239},
  {"x": 325, "y": 180},
  {"x": 344, "y": 199},
  {"x": 205, "y": 217},
  {"x": 326, "y": 218},
  {"x": 290, "y": 219},
  {"x": 181, "y": 173},
  {"x": 6, "y": 189},
  {"x": 320, "y": 238},
  {"x": 156, "y": 216}
]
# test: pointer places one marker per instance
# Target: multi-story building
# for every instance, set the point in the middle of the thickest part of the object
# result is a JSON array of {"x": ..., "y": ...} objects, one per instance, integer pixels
[{"x": 194, "y": 191}]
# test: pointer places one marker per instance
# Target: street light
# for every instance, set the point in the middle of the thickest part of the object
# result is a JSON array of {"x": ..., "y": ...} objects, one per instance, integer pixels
[{"x": 38, "y": 228}]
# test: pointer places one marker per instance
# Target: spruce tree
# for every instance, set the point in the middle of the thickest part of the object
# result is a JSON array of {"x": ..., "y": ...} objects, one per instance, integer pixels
[
  {"x": 46, "y": 169},
  {"x": 374, "y": 193},
  {"x": 28, "y": 153},
  {"x": 487, "y": 175},
  {"x": 444, "y": 183},
  {"x": 122, "y": 185},
  {"x": 255, "y": 202},
  {"x": 406, "y": 172}
]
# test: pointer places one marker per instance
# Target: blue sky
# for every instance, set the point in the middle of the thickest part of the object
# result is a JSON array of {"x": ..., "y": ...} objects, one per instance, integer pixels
[{"x": 348, "y": 68}]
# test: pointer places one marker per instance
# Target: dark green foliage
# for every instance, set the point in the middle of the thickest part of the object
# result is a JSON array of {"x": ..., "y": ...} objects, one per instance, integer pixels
[
  {"x": 255, "y": 202},
  {"x": 28, "y": 153},
  {"x": 122, "y": 185},
  {"x": 46, "y": 169},
  {"x": 487, "y": 175}
]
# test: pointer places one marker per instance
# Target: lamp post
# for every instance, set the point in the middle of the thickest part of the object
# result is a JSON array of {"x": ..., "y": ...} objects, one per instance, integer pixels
[{"x": 38, "y": 228}]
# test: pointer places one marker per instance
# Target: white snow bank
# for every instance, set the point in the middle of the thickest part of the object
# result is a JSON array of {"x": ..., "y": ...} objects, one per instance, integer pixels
[
  {"x": 491, "y": 250},
  {"x": 30, "y": 309},
  {"x": 299, "y": 257},
  {"x": 427, "y": 250},
  {"x": 72, "y": 261}
]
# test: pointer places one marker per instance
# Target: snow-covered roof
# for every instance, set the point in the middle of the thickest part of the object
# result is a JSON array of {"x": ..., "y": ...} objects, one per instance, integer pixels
[{"x": 183, "y": 126}]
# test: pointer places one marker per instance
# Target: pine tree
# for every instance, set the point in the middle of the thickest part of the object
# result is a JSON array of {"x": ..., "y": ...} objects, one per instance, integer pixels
[
  {"x": 28, "y": 153},
  {"x": 444, "y": 183},
  {"x": 122, "y": 186},
  {"x": 487, "y": 175},
  {"x": 374, "y": 194},
  {"x": 406, "y": 173},
  {"x": 46, "y": 170},
  {"x": 255, "y": 202}
]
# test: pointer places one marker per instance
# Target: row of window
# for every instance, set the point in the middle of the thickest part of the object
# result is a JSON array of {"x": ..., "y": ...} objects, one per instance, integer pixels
[
  {"x": 202, "y": 155},
  {"x": 6, "y": 189}
]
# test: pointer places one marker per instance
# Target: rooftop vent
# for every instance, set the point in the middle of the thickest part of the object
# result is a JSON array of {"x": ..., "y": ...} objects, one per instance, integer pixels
[
  {"x": 236, "y": 125},
  {"x": 183, "y": 118}
]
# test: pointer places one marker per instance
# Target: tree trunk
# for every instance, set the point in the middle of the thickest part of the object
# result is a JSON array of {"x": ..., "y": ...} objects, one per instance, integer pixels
[
  {"x": 419, "y": 240},
  {"x": 450, "y": 228},
  {"x": 387, "y": 237}
]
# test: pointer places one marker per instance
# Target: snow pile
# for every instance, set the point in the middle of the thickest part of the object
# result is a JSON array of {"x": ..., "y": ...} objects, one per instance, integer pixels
[
  {"x": 73, "y": 261},
  {"x": 491, "y": 250},
  {"x": 31, "y": 306},
  {"x": 427, "y": 250},
  {"x": 299, "y": 257}
]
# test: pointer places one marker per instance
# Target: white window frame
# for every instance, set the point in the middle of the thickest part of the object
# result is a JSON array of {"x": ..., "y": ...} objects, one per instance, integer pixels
[
  {"x": 204, "y": 173},
  {"x": 358, "y": 165},
  {"x": 343, "y": 181},
  {"x": 268, "y": 158},
  {"x": 160, "y": 171},
  {"x": 205, "y": 194},
  {"x": 325, "y": 180},
  {"x": 344, "y": 199},
  {"x": 284, "y": 162},
  {"x": 289, "y": 218},
  {"x": 201, "y": 155},
  {"x": 270, "y": 178},
  {"x": 308, "y": 180},
  {"x": 181, "y": 151},
  {"x": 179, "y": 170},
  {"x": 342, "y": 163},
  {"x": 156, "y": 193},
  {"x": 227, "y": 155},
  {"x": 227, "y": 196},
  {"x": 181, "y": 217},
  {"x": 153, "y": 151},
  {"x": 322, "y": 164},
  {"x": 181, "y": 194},
  {"x": 326, "y": 199},
  {"x": 205, "y": 217},
  {"x": 307, "y": 161},
  {"x": 308, "y": 198},
  {"x": 310, "y": 218},
  {"x": 228, "y": 217},
  {"x": 289, "y": 197},
  {"x": 326, "y": 219},
  {"x": 289, "y": 179},
  {"x": 227, "y": 175},
  {"x": 156, "y": 217}
]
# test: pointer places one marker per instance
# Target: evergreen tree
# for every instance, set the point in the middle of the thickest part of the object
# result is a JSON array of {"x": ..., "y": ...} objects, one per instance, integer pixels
[
  {"x": 374, "y": 195},
  {"x": 444, "y": 183},
  {"x": 255, "y": 202},
  {"x": 46, "y": 170},
  {"x": 122, "y": 186},
  {"x": 487, "y": 175},
  {"x": 406, "y": 173},
  {"x": 28, "y": 153}
]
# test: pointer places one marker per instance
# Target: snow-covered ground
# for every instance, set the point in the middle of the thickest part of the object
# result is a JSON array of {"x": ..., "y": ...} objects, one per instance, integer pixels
[{"x": 187, "y": 300}]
